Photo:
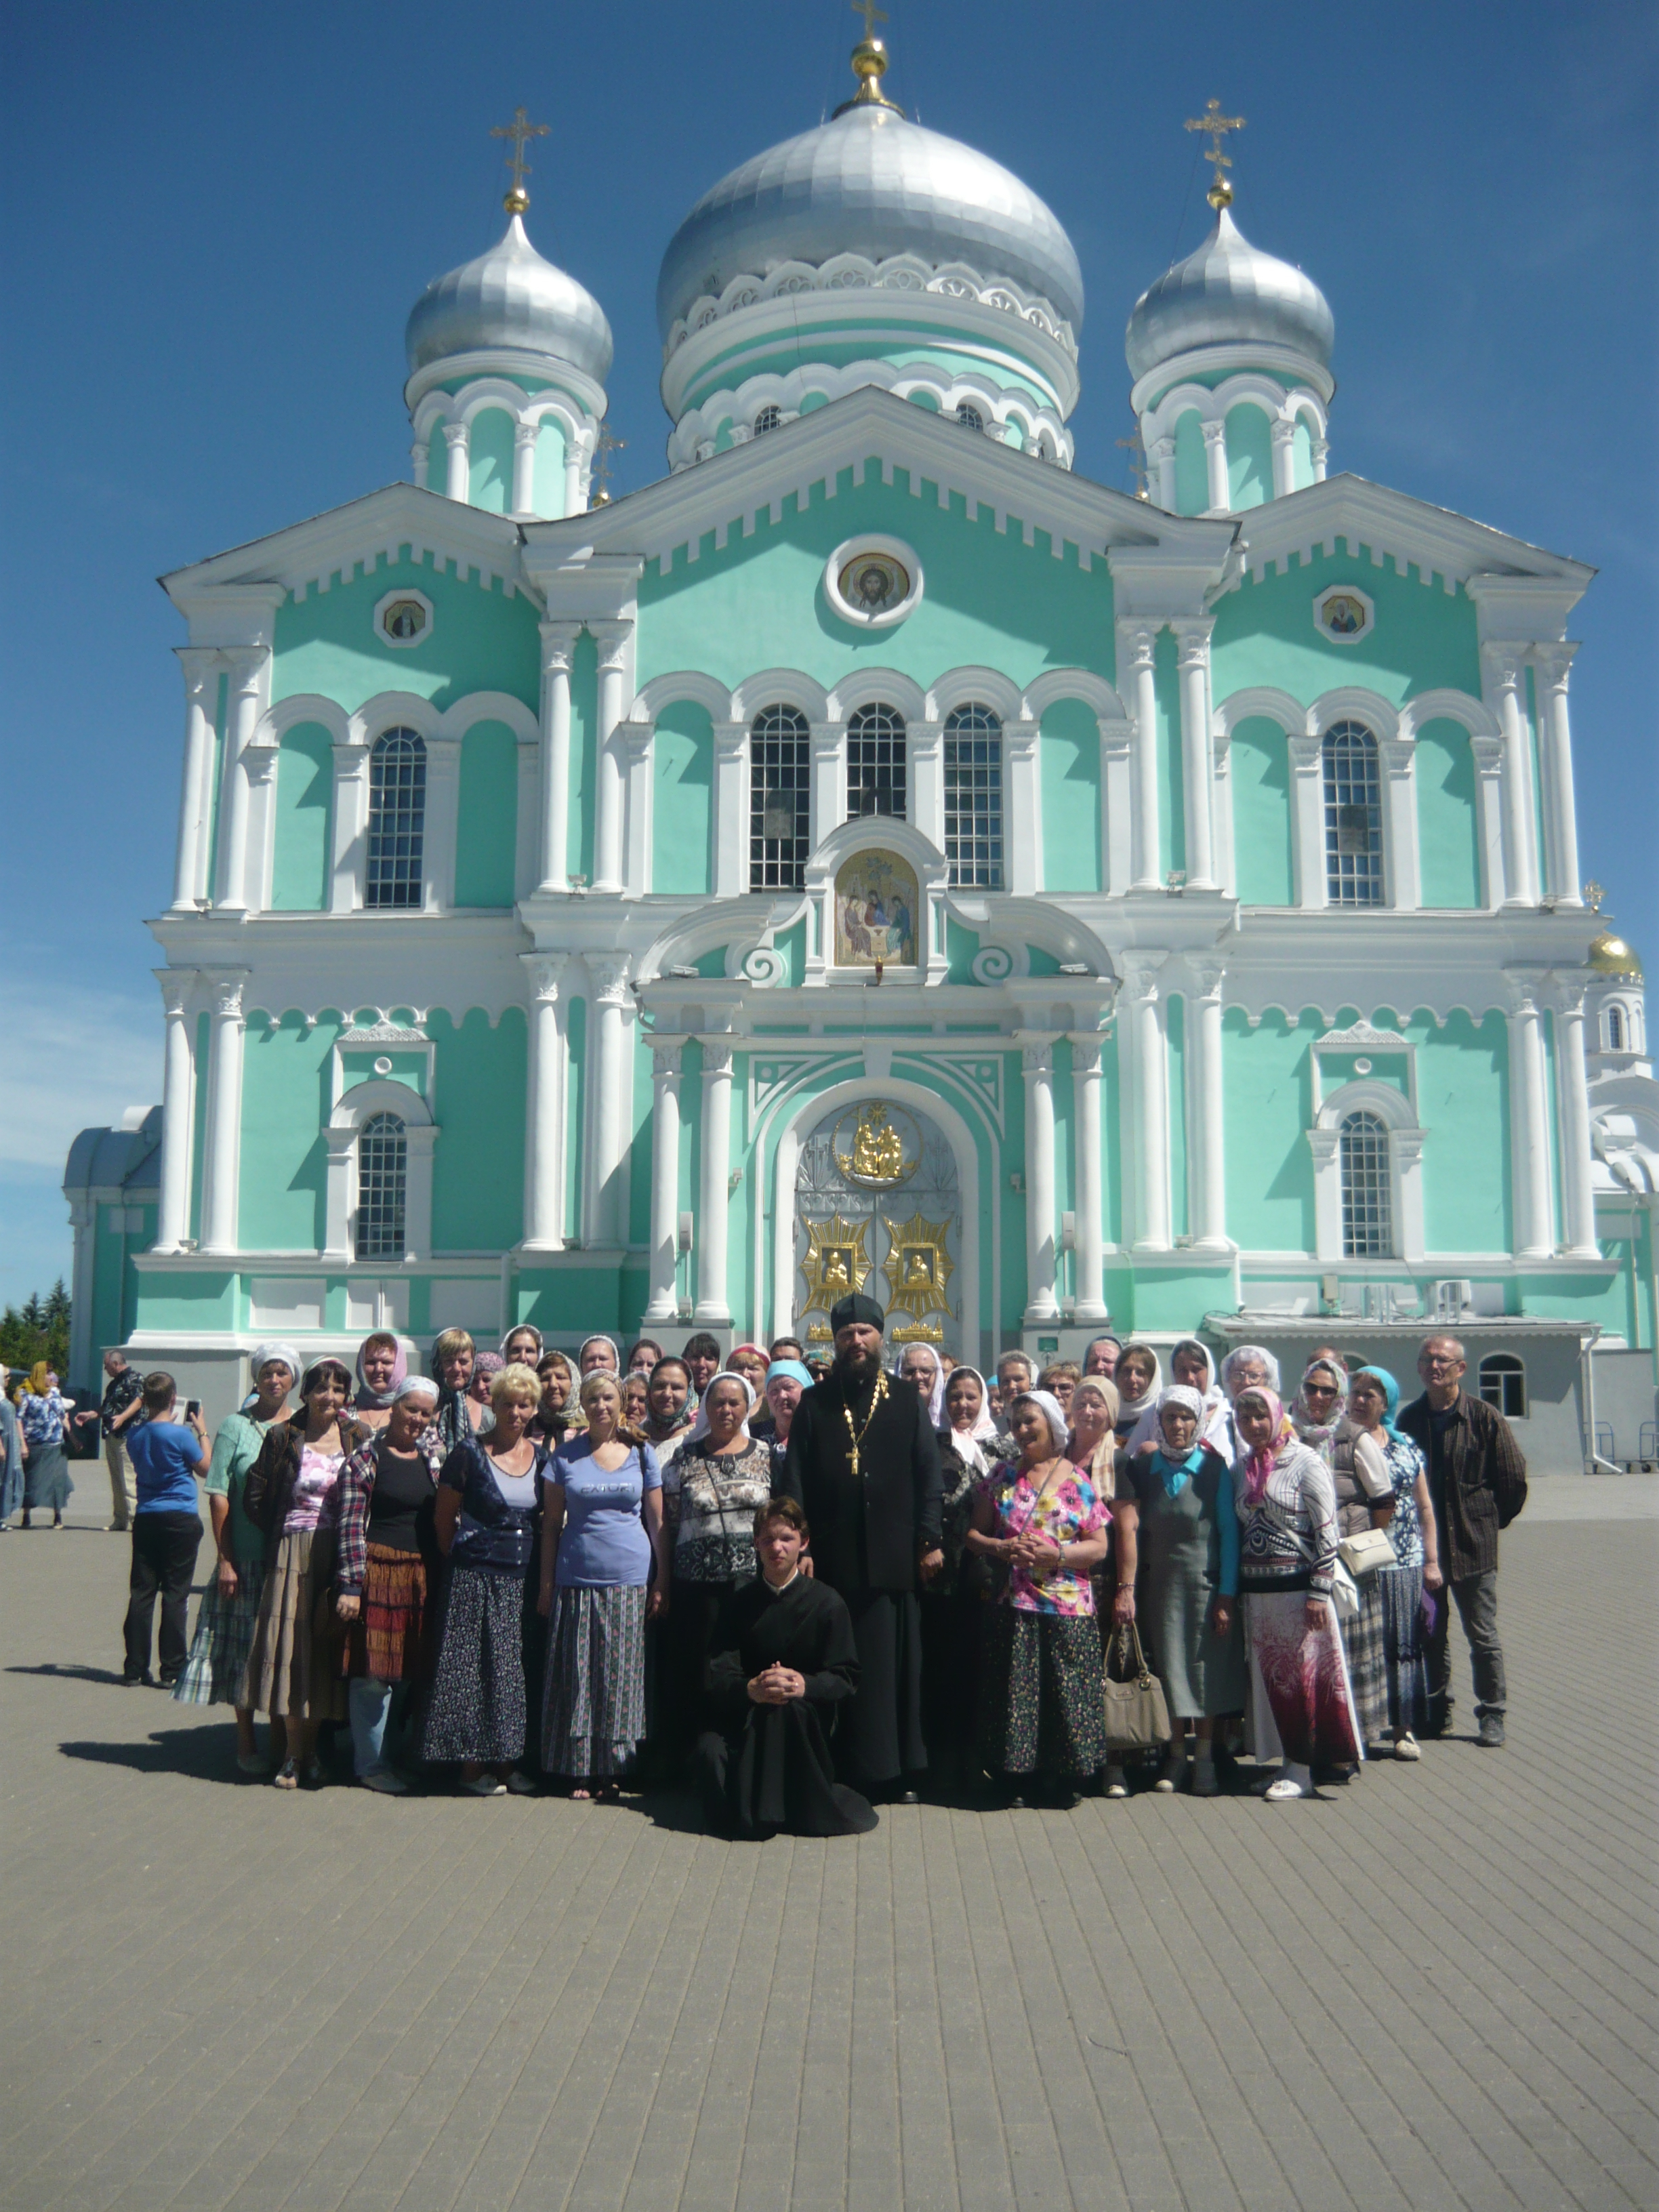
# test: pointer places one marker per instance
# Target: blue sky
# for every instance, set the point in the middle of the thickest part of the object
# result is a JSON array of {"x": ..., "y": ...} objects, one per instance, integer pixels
[{"x": 217, "y": 217}]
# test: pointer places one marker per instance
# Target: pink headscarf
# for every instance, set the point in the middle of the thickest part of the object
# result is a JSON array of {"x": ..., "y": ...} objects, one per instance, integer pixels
[
  {"x": 378, "y": 1400},
  {"x": 1261, "y": 1463}
]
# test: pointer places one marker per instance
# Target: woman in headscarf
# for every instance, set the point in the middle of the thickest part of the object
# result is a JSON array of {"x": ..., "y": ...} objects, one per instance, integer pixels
[
  {"x": 11, "y": 1459},
  {"x": 381, "y": 1366},
  {"x": 752, "y": 1362},
  {"x": 480, "y": 1406},
  {"x": 42, "y": 1410},
  {"x": 1093, "y": 1447},
  {"x": 920, "y": 1363},
  {"x": 1365, "y": 1499},
  {"x": 597, "y": 1355},
  {"x": 1193, "y": 1366},
  {"x": 1042, "y": 1689},
  {"x": 668, "y": 1415},
  {"x": 1188, "y": 1541},
  {"x": 452, "y": 1354},
  {"x": 971, "y": 1446},
  {"x": 643, "y": 1354},
  {"x": 1373, "y": 1401},
  {"x": 1139, "y": 1378},
  {"x": 522, "y": 1347},
  {"x": 785, "y": 1379},
  {"x": 230, "y": 1603},
  {"x": 1301, "y": 1707}
]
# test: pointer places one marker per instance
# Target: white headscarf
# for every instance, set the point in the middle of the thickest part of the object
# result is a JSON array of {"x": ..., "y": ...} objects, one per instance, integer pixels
[
  {"x": 1132, "y": 1411},
  {"x": 936, "y": 1393},
  {"x": 1059, "y": 1428},
  {"x": 700, "y": 1427},
  {"x": 969, "y": 1444},
  {"x": 615, "y": 1356},
  {"x": 263, "y": 1354},
  {"x": 1215, "y": 1424}
]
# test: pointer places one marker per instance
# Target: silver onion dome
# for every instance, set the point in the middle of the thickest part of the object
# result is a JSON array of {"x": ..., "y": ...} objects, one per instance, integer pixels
[
  {"x": 510, "y": 299},
  {"x": 1228, "y": 293},
  {"x": 870, "y": 182}
]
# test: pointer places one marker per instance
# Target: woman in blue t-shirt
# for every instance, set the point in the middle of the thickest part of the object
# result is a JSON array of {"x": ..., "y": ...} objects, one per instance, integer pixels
[
  {"x": 168, "y": 1456},
  {"x": 602, "y": 1543}
]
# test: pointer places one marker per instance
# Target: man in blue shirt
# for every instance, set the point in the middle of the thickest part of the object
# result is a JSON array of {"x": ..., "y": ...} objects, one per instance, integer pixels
[{"x": 168, "y": 1458}]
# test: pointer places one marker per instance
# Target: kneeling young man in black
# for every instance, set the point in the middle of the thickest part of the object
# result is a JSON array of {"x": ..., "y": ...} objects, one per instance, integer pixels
[{"x": 782, "y": 1659}]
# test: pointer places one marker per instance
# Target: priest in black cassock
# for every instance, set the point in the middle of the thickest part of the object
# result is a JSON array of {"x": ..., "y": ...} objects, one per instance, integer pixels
[
  {"x": 863, "y": 1461},
  {"x": 781, "y": 1665}
]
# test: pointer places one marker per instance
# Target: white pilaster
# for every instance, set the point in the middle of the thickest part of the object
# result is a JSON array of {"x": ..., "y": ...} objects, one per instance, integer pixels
[
  {"x": 83, "y": 1222},
  {"x": 1503, "y": 666},
  {"x": 178, "y": 1102},
  {"x": 1215, "y": 466},
  {"x": 731, "y": 810},
  {"x": 524, "y": 467},
  {"x": 247, "y": 670},
  {"x": 1146, "y": 1137},
  {"x": 1402, "y": 868},
  {"x": 1489, "y": 799},
  {"x": 926, "y": 754},
  {"x": 1529, "y": 1141},
  {"x": 1037, "y": 1061},
  {"x": 1577, "y": 1182},
  {"x": 607, "y": 1136},
  {"x": 458, "y": 461},
  {"x": 575, "y": 455},
  {"x": 1221, "y": 769},
  {"x": 350, "y": 816},
  {"x": 664, "y": 1303},
  {"x": 1022, "y": 827},
  {"x": 200, "y": 666},
  {"x": 222, "y": 1164},
  {"x": 1192, "y": 644},
  {"x": 714, "y": 1170},
  {"x": 1308, "y": 818},
  {"x": 1117, "y": 804},
  {"x": 1089, "y": 1189},
  {"x": 828, "y": 803},
  {"x": 558, "y": 653},
  {"x": 1137, "y": 688},
  {"x": 1284, "y": 438},
  {"x": 1163, "y": 458},
  {"x": 442, "y": 823},
  {"x": 633, "y": 742},
  {"x": 611, "y": 638},
  {"x": 543, "y": 1229},
  {"x": 1553, "y": 665},
  {"x": 1322, "y": 453},
  {"x": 1207, "y": 1153}
]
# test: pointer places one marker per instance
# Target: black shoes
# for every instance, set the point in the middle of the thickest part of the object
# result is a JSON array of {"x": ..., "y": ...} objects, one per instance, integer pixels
[{"x": 1491, "y": 1737}]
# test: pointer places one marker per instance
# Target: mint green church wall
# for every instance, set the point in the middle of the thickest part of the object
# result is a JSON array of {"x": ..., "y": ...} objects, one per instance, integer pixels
[
  {"x": 300, "y": 850},
  {"x": 1171, "y": 787},
  {"x": 1268, "y": 1074},
  {"x": 683, "y": 793},
  {"x": 487, "y": 817},
  {"x": 1068, "y": 759},
  {"x": 1423, "y": 639},
  {"x": 479, "y": 641},
  {"x": 1463, "y": 1104},
  {"x": 1249, "y": 458},
  {"x": 1448, "y": 832},
  {"x": 1302, "y": 459},
  {"x": 282, "y": 1186},
  {"x": 1259, "y": 763},
  {"x": 547, "y": 485},
  {"x": 990, "y": 597},
  {"x": 478, "y": 1102},
  {"x": 489, "y": 467},
  {"x": 1192, "y": 473}
]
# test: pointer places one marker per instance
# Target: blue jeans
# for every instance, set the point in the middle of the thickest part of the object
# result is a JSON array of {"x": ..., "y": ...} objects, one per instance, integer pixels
[{"x": 373, "y": 1707}]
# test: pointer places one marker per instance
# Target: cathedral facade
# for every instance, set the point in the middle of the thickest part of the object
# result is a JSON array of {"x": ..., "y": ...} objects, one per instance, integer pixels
[{"x": 873, "y": 856}]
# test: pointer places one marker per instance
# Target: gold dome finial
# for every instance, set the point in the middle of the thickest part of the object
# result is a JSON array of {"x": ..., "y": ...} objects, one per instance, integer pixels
[
  {"x": 1215, "y": 126},
  {"x": 870, "y": 60},
  {"x": 518, "y": 130},
  {"x": 1608, "y": 954}
]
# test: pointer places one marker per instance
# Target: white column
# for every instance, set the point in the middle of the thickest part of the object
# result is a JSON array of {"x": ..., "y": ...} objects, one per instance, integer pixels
[
  {"x": 1321, "y": 453},
  {"x": 1503, "y": 667},
  {"x": 1022, "y": 825},
  {"x": 245, "y": 672},
  {"x": 1402, "y": 874},
  {"x": 664, "y": 1303},
  {"x": 1307, "y": 759},
  {"x": 420, "y": 453},
  {"x": 178, "y": 1099},
  {"x": 443, "y": 808},
  {"x": 1138, "y": 689},
  {"x": 558, "y": 653},
  {"x": 1088, "y": 1191},
  {"x": 1147, "y": 1137},
  {"x": 346, "y": 872},
  {"x": 1489, "y": 799},
  {"x": 1577, "y": 1181},
  {"x": 1226, "y": 852},
  {"x": 524, "y": 467},
  {"x": 611, "y": 638},
  {"x": 729, "y": 871},
  {"x": 543, "y": 1110},
  {"x": 1038, "y": 1063},
  {"x": 224, "y": 1116},
  {"x": 201, "y": 666},
  {"x": 1206, "y": 1146},
  {"x": 1553, "y": 664},
  {"x": 1163, "y": 457},
  {"x": 83, "y": 1220},
  {"x": 1193, "y": 642},
  {"x": 1116, "y": 804},
  {"x": 606, "y": 1135},
  {"x": 714, "y": 1170},
  {"x": 1284, "y": 438},
  {"x": 829, "y": 799},
  {"x": 1529, "y": 1139},
  {"x": 926, "y": 754},
  {"x": 458, "y": 480},
  {"x": 1215, "y": 466}
]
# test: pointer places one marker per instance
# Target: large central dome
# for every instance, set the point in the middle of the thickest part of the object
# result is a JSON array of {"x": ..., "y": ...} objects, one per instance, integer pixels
[{"x": 871, "y": 183}]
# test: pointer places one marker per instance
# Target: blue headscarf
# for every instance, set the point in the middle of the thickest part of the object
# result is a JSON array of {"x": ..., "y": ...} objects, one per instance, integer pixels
[
  {"x": 795, "y": 1370},
  {"x": 1391, "y": 1393}
]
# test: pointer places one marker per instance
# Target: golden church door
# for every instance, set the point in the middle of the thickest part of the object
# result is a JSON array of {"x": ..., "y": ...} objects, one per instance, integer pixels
[{"x": 878, "y": 1209}]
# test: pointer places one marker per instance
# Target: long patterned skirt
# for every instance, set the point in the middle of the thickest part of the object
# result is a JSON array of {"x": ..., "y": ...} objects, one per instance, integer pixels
[
  {"x": 293, "y": 1668},
  {"x": 224, "y": 1635},
  {"x": 1301, "y": 1706},
  {"x": 1041, "y": 1693},
  {"x": 1401, "y": 1597},
  {"x": 593, "y": 1703},
  {"x": 477, "y": 1706},
  {"x": 387, "y": 1640},
  {"x": 46, "y": 1479},
  {"x": 1366, "y": 1650}
]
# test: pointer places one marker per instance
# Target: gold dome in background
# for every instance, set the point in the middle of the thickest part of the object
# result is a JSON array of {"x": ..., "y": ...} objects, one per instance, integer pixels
[{"x": 1610, "y": 956}]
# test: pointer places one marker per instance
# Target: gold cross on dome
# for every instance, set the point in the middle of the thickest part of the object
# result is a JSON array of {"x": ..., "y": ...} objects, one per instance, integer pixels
[
  {"x": 518, "y": 130},
  {"x": 871, "y": 16},
  {"x": 1215, "y": 126},
  {"x": 605, "y": 446}
]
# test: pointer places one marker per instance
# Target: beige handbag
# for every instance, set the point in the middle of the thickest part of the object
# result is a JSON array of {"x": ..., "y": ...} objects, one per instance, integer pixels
[
  {"x": 1137, "y": 1715},
  {"x": 1364, "y": 1553}
]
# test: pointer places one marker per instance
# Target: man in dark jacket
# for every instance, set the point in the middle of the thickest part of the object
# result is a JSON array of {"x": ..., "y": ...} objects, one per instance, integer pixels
[
  {"x": 863, "y": 1461},
  {"x": 1478, "y": 1480}
]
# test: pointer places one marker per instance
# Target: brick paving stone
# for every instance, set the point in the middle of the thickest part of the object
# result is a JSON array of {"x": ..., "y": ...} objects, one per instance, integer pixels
[{"x": 1436, "y": 1988}]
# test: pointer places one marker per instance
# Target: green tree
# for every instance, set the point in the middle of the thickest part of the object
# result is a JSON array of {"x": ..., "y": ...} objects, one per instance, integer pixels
[{"x": 41, "y": 1331}]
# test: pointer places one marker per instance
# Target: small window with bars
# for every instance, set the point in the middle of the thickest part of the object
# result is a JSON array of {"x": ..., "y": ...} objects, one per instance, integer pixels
[
  {"x": 780, "y": 799},
  {"x": 1354, "y": 817},
  {"x": 397, "y": 820},
  {"x": 969, "y": 416},
  {"x": 1503, "y": 1384},
  {"x": 972, "y": 796},
  {"x": 382, "y": 1188},
  {"x": 1367, "y": 1197},
  {"x": 768, "y": 418},
  {"x": 877, "y": 763}
]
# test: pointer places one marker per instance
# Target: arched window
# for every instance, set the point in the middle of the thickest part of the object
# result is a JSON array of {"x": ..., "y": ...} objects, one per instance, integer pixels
[
  {"x": 1367, "y": 1199},
  {"x": 1503, "y": 1384},
  {"x": 382, "y": 1188},
  {"x": 876, "y": 763},
  {"x": 1616, "y": 1028},
  {"x": 397, "y": 820},
  {"x": 972, "y": 796},
  {"x": 1354, "y": 817},
  {"x": 780, "y": 785},
  {"x": 968, "y": 416},
  {"x": 768, "y": 418}
]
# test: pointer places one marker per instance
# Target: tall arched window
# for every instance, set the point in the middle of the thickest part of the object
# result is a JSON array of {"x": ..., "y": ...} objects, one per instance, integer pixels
[
  {"x": 1503, "y": 1384},
  {"x": 780, "y": 799},
  {"x": 397, "y": 820},
  {"x": 1615, "y": 1028},
  {"x": 1367, "y": 1198},
  {"x": 876, "y": 763},
  {"x": 382, "y": 1188},
  {"x": 972, "y": 796},
  {"x": 1354, "y": 817}
]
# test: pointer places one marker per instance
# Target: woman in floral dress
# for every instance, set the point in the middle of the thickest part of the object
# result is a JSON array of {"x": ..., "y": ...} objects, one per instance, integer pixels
[{"x": 1042, "y": 1691}]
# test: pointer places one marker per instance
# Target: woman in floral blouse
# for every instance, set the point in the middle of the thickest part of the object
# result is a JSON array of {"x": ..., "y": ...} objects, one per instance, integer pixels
[
  {"x": 1040, "y": 1521},
  {"x": 41, "y": 1414}
]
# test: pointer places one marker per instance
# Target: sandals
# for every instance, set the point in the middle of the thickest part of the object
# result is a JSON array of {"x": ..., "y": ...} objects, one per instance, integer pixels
[
  {"x": 287, "y": 1776},
  {"x": 1115, "y": 1785}
]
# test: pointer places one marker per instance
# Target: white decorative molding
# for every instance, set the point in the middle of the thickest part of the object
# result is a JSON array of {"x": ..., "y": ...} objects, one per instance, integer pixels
[{"x": 1398, "y": 1114}]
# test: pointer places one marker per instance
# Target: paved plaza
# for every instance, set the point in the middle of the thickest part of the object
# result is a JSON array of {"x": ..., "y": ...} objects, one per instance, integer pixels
[{"x": 1435, "y": 1988}]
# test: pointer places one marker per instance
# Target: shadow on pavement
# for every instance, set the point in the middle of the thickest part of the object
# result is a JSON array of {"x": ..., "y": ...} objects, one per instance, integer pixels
[
  {"x": 74, "y": 1673},
  {"x": 205, "y": 1754}
]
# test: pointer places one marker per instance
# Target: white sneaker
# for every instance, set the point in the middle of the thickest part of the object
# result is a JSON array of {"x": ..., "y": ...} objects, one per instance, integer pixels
[
  {"x": 1277, "y": 1793},
  {"x": 485, "y": 1785},
  {"x": 1407, "y": 1747},
  {"x": 385, "y": 1782},
  {"x": 1115, "y": 1785},
  {"x": 520, "y": 1786}
]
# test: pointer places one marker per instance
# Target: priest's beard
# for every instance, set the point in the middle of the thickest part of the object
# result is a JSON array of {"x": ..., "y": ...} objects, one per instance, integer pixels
[{"x": 856, "y": 1370}]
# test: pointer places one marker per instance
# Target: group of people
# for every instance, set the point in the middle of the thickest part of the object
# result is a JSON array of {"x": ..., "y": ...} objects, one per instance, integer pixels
[{"x": 809, "y": 1588}]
